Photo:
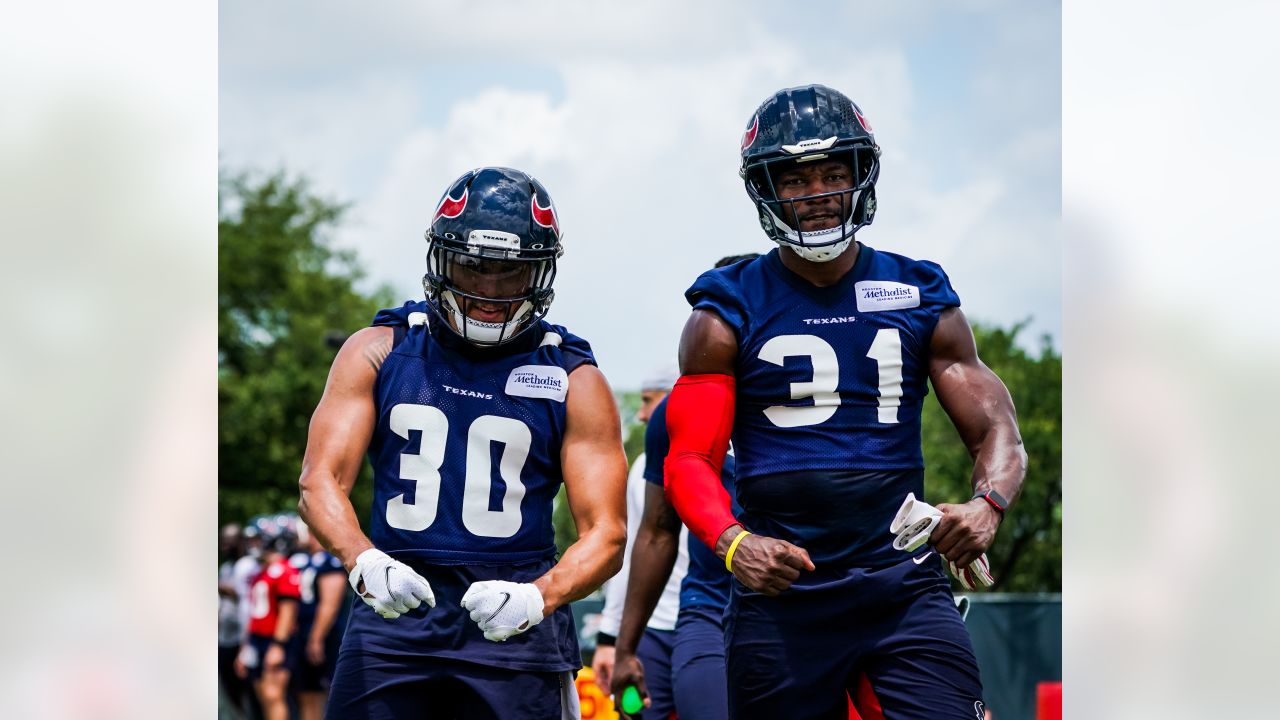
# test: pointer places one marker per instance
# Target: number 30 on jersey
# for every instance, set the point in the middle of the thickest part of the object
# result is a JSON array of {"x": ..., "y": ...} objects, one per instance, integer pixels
[{"x": 424, "y": 469}]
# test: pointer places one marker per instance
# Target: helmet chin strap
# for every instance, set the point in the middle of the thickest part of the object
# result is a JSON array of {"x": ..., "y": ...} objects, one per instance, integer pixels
[
  {"x": 485, "y": 332},
  {"x": 819, "y": 254},
  {"x": 819, "y": 251}
]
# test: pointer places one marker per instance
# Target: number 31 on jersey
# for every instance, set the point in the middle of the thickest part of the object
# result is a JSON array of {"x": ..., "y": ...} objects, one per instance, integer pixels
[{"x": 886, "y": 350}]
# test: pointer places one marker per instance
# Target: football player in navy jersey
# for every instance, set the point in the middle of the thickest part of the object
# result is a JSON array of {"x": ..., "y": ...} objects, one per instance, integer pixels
[
  {"x": 320, "y": 621},
  {"x": 473, "y": 409},
  {"x": 696, "y": 668},
  {"x": 816, "y": 358},
  {"x": 657, "y": 639}
]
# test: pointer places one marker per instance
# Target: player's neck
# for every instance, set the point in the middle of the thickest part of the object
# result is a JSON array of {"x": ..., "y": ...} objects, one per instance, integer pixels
[{"x": 821, "y": 274}]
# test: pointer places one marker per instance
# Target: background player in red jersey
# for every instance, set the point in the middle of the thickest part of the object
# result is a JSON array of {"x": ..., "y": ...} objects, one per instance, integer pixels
[
  {"x": 816, "y": 358},
  {"x": 273, "y": 608}
]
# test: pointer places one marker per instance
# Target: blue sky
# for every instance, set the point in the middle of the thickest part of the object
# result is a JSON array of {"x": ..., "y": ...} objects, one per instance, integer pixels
[{"x": 631, "y": 116}]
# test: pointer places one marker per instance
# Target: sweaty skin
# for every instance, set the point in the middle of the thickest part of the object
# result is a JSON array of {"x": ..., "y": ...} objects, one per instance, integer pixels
[{"x": 594, "y": 468}]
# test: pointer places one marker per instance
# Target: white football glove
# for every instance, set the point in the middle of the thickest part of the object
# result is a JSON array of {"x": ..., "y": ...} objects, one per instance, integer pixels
[
  {"x": 912, "y": 526},
  {"x": 391, "y": 588},
  {"x": 502, "y": 608}
]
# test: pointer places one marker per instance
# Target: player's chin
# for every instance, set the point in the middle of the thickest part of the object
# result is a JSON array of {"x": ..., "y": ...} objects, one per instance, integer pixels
[
  {"x": 490, "y": 318},
  {"x": 819, "y": 223}
]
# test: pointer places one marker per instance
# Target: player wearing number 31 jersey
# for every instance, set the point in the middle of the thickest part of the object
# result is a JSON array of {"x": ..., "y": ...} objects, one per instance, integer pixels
[
  {"x": 473, "y": 411},
  {"x": 816, "y": 359}
]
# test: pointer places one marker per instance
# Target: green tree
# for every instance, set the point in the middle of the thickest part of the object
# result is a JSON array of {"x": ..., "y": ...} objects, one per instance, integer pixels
[
  {"x": 286, "y": 297},
  {"x": 1027, "y": 554}
]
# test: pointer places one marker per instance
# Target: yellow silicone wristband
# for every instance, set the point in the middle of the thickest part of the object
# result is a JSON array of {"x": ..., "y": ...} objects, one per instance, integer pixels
[{"x": 733, "y": 547}]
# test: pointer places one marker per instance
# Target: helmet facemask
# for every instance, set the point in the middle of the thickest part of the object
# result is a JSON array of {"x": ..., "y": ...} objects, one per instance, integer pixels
[
  {"x": 856, "y": 204},
  {"x": 507, "y": 289}
]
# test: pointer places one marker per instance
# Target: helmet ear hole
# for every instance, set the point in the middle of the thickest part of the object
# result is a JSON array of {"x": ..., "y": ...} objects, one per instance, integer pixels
[{"x": 865, "y": 211}]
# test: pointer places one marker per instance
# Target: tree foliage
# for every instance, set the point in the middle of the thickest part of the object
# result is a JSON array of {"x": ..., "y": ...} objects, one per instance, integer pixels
[
  {"x": 285, "y": 294},
  {"x": 1027, "y": 554}
]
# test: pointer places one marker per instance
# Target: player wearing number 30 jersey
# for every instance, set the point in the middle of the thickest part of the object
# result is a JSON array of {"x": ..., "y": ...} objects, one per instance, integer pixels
[
  {"x": 816, "y": 359},
  {"x": 473, "y": 410}
]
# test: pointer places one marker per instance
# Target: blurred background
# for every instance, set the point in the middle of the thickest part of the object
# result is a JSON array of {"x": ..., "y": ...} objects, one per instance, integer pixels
[{"x": 115, "y": 157}]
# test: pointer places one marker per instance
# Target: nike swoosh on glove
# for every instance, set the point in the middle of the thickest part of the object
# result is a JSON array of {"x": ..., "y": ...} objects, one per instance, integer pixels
[
  {"x": 391, "y": 588},
  {"x": 503, "y": 608}
]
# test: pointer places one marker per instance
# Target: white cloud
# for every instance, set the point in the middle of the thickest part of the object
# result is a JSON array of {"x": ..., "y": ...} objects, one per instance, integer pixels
[{"x": 631, "y": 117}]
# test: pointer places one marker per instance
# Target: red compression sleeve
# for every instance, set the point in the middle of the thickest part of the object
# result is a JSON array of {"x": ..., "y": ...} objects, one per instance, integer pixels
[{"x": 699, "y": 421}]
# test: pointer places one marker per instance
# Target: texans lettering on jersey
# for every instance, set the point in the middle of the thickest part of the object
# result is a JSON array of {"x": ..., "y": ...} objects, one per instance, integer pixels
[
  {"x": 466, "y": 450},
  {"x": 278, "y": 580},
  {"x": 830, "y": 385}
]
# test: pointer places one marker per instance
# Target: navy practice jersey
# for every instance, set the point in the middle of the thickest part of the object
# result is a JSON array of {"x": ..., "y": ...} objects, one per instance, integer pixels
[
  {"x": 830, "y": 383},
  {"x": 707, "y": 582},
  {"x": 311, "y": 567},
  {"x": 466, "y": 450}
]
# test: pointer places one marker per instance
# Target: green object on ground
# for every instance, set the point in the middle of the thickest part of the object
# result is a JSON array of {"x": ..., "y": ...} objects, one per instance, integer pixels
[{"x": 631, "y": 702}]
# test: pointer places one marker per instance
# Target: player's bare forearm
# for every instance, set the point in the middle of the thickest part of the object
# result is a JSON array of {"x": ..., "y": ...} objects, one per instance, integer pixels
[
  {"x": 594, "y": 558},
  {"x": 328, "y": 513},
  {"x": 982, "y": 410},
  {"x": 653, "y": 555},
  {"x": 980, "y": 406},
  {"x": 595, "y": 478},
  {"x": 336, "y": 442}
]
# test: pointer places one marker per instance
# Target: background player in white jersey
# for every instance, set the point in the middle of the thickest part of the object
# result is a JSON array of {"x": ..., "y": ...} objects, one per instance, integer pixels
[
  {"x": 655, "y": 645},
  {"x": 473, "y": 410}
]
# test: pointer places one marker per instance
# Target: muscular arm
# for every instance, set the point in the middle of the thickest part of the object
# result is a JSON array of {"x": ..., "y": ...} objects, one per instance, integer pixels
[
  {"x": 708, "y": 346},
  {"x": 336, "y": 442},
  {"x": 595, "y": 478},
  {"x": 700, "y": 424},
  {"x": 979, "y": 405}
]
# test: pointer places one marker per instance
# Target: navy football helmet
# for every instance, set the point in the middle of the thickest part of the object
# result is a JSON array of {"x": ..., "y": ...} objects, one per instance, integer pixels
[
  {"x": 278, "y": 532},
  {"x": 803, "y": 124},
  {"x": 491, "y": 255}
]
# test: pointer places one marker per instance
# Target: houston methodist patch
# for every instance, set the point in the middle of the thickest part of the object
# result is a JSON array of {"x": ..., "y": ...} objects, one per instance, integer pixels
[
  {"x": 550, "y": 382},
  {"x": 876, "y": 295}
]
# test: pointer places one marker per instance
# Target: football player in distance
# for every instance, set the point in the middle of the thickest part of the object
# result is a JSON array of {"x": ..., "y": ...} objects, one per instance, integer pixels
[
  {"x": 473, "y": 409},
  {"x": 816, "y": 359}
]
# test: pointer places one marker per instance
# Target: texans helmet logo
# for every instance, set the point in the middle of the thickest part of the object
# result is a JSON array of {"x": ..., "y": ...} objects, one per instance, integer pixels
[
  {"x": 545, "y": 216},
  {"x": 863, "y": 122},
  {"x": 450, "y": 208},
  {"x": 750, "y": 135}
]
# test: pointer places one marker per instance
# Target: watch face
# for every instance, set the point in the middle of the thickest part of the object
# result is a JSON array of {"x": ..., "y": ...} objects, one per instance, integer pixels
[{"x": 997, "y": 499}]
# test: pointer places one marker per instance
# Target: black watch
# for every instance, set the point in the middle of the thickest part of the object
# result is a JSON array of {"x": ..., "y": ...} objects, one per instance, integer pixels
[
  {"x": 995, "y": 500},
  {"x": 281, "y": 643}
]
